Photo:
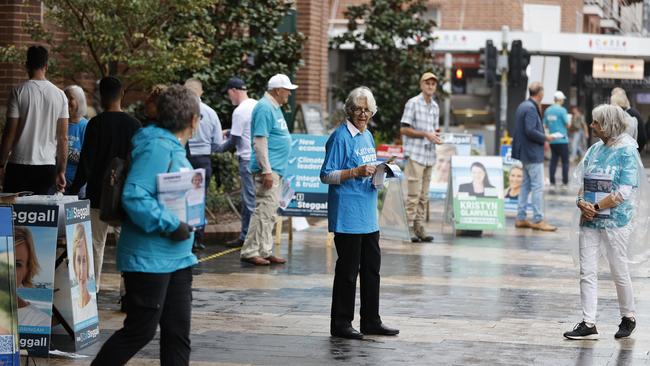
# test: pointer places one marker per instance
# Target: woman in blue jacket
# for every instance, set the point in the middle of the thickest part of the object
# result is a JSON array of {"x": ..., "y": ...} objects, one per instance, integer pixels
[
  {"x": 349, "y": 164},
  {"x": 155, "y": 248}
]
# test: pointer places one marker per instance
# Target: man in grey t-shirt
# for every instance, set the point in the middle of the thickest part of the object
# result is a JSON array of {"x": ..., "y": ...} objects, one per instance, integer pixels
[{"x": 34, "y": 147}]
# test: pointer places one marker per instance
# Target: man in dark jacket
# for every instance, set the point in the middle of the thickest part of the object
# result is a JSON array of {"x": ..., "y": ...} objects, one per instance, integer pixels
[
  {"x": 108, "y": 135},
  {"x": 528, "y": 147}
]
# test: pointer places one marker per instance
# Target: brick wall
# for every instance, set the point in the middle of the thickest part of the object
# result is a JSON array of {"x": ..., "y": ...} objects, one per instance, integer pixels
[
  {"x": 13, "y": 14},
  {"x": 312, "y": 20},
  {"x": 487, "y": 14}
]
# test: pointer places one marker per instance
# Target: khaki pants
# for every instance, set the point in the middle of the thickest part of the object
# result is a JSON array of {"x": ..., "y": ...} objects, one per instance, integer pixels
[
  {"x": 418, "y": 177},
  {"x": 259, "y": 240},
  {"x": 100, "y": 230}
]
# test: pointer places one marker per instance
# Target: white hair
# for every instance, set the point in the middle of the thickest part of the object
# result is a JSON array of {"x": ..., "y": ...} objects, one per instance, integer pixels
[
  {"x": 620, "y": 99},
  {"x": 357, "y": 95},
  {"x": 79, "y": 95},
  {"x": 612, "y": 119}
]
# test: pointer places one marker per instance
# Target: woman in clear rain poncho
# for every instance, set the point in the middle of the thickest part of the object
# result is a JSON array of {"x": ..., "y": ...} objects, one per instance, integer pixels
[{"x": 613, "y": 216}]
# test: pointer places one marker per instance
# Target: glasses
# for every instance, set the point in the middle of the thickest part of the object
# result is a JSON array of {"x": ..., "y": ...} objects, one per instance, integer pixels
[{"x": 360, "y": 111}]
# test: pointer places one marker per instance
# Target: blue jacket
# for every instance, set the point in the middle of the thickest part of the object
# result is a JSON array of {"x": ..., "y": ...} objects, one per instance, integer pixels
[
  {"x": 529, "y": 137},
  {"x": 141, "y": 248}
]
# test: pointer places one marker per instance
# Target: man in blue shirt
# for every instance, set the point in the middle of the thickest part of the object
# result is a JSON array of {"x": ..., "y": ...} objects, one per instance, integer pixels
[
  {"x": 556, "y": 120},
  {"x": 269, "y": 159},
  {"x": 203, "y": 143},
  {"x": 528, "y": 147}
]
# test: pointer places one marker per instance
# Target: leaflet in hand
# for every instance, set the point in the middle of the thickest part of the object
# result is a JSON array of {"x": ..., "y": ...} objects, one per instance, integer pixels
[
  {"x": 184, "y": 194},
  {"x": 597, "y": 187},
  {"x": 286, "y": 194},
  {"x": 557, "y": 135},
  {"x": 385, "y": 170}
]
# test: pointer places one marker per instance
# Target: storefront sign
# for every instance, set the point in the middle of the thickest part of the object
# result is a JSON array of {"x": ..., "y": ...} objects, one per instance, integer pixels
[
  {"x": 477, "y": 186},
  {"x": 303, "y": 174},
  {"x": 617, "y": 68}
]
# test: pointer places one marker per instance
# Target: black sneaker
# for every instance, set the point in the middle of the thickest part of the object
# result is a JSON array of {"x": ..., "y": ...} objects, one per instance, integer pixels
[
  {"x": 626, "y": 328},
  {"x": 582, "y": 331}
]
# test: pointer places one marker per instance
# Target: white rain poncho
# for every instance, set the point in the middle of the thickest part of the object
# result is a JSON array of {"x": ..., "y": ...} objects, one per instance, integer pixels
[{"x": 618, "y": 161}]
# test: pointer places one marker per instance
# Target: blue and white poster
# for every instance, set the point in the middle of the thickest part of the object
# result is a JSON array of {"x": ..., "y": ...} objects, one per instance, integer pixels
[
  {"x": 452, "y": 144},
  {"x": 303, "y": 176},
  {"x": 35, "y": 235},
  {"x": 184, "y": 194},
  {"x": 9, "y": 346}
]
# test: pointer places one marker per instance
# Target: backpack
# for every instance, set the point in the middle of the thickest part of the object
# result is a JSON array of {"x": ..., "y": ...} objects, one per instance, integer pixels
[{"x": 110, "y": 205}]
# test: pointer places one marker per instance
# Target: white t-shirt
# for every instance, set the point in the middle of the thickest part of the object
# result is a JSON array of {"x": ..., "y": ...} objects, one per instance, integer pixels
[
  {"x": 241, "y": 126},
  {"x": 37, "y": 104}
]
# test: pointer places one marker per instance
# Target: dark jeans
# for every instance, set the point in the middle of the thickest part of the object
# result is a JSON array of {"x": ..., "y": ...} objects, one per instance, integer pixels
[
  {"x": 356, "y": 253},
  {"x": 35, "y": 178},
  {"x": 247, "y": 196},
  {"x": 559, "y": 151},
  {"x": 153, "y": 299},
  {"x": 202, "y": 161}
]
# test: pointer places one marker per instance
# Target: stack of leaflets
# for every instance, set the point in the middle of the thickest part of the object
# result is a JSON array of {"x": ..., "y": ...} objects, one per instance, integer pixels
[{"x": 597, "y": 187}]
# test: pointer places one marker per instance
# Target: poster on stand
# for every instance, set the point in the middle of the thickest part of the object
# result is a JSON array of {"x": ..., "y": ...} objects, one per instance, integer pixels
[
  {"x": 303, "y": 177},
  {"x": 184, "y": 194},
  {"x": 9, "y": 345},
  {"x": 453, "y": 144},
  {"x": 76, "y": 298},
  {"x": 477, "y": 183},
  {"x": 513, "y": 179},
  {"x": 35, "y": 236}
]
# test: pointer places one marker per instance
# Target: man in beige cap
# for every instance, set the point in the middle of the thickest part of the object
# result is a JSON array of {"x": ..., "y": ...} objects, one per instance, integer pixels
[{"x": 419, "y": 132}]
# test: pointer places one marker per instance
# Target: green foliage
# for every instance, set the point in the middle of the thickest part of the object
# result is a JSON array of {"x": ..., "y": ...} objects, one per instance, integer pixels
[
  {"x": 247, "y": 44},
  {"x": 12, "y": 54},
  {"x": 392, "y": 48},
  {"x": 225, "y": 169},
  {"x": 142, "y": 41}
]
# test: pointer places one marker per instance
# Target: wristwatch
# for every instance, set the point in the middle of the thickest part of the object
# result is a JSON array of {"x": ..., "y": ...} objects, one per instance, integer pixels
[{"x": 596, "y": 207}]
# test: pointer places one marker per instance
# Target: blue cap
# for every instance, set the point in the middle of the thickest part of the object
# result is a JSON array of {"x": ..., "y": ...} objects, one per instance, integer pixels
[{"x": 234, "y": 83}]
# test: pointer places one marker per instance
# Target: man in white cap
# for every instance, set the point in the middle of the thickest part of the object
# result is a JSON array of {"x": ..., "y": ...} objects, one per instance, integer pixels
[
  {"x": 419, "y": 126},
  {"x": 557, "y": 121},
  {"x": 269, "y": 160}
]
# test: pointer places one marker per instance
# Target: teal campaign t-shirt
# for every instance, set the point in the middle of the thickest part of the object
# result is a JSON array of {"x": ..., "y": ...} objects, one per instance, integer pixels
[
  {"x": 76, "y": 133},
  {"x": 555, "y": 119},
  {"x": 268, "y": 121},
  {"x": 352, "y": 205},
  {"x": 621, "y": 165}
]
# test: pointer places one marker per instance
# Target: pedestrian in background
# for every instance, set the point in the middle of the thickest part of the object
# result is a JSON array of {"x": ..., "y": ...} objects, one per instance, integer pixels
[
  {"x": 607, "y": 223},
  {"x": 578, "y": 134},
  {"x": 239, "y": 138},
  {"x": 419, "y": 124},
  {"x": 201, "y": 146},
  {"x": 34, "y": 147},
  {"x": 155, "y": 248},
  {"x": 77, "y": 123},
  {"x": 269, "y": 161},
  {"x": 528, "y": 147},
  {"x": 349, "y": 164},
  {"x": 556, "y": 120},
  {"x": 108, "y": 135},
  {"x": 150, "y": 110},
  {"x": 640, "y": 137}
]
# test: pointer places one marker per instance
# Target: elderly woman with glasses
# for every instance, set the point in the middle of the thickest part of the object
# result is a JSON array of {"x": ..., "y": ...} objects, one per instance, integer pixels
[
  {"x": 348, "y": 167},
  {"x": 611, "y": 215}
]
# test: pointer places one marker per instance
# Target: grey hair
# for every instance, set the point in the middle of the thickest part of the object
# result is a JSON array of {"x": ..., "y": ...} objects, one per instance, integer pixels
[
  {"x": 176, "y": 106},
  {"x": 356, "y": 96},
  {"x": 612, "y": 119},
  {"x": 535, "y": 88},
  {"x": 620, "y": 99},
  {"x": 79, "y": 95}
]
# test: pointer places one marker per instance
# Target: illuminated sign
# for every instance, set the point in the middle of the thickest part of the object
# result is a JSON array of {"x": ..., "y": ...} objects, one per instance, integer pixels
[{"x": 617, "y": 68}]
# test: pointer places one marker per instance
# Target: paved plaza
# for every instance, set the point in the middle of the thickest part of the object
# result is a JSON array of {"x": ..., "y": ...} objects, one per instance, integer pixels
[{"x": 502, "y": 299}]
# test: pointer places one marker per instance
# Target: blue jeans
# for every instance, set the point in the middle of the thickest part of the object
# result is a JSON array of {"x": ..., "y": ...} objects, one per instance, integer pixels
[
  {"x": 247, "y": 196},
  {"x": 533, "y": 184}
]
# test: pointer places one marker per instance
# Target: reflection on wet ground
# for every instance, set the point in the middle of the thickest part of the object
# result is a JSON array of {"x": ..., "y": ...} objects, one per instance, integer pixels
[{"x": 501, "y": 299}]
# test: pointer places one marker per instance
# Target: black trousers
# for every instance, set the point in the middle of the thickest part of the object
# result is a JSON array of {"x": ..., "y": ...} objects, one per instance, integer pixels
[
  {"x": 153, "y": 299},
  {"x": 205, "y": 162},
  {"x": 357, "y": 253},
  {"x": 559, "y": 151},
  {"x": 36, "y": 178}
]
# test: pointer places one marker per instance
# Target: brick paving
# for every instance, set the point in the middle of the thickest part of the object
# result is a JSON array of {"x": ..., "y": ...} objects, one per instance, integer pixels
[{"x": 502, "y": 299}]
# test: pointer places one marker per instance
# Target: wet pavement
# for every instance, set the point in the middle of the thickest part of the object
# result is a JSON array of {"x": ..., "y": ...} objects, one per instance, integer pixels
[{"x": 501, "y": 299}]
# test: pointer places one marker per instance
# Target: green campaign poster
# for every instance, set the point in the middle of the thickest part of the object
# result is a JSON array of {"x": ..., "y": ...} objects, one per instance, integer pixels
[{"x": 477, "y": 183}]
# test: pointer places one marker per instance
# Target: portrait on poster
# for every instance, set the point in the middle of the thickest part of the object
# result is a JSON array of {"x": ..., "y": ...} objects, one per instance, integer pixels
[
  {"x": 184, "y": 194},
  {"x": 81, "y": 272}
]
